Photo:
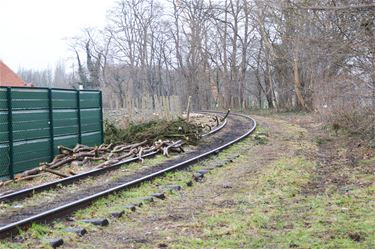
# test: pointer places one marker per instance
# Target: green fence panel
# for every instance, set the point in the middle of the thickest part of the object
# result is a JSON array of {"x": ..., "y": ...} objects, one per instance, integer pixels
[
  {"x": 34, "y": 121},
  {"x": 92, "y": 138},
  {"x": 65, "y": 122},
  {"x": 3, "y": 99},
  {"x": 89, "y": 99},
  {"x": 89, "y": 119},
  {"x": 28, "y": 125},
  {"x": 28, "y": 154},
  {"x": 4, "y": 160},
  {"x": 4, "y": 136},
  {"x": 64, "y": 99},
  {"x": 28, "y": 98}
]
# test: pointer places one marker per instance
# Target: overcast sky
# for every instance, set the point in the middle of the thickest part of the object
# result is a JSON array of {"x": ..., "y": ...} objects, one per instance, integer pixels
[{"x": 32, "y": 32}]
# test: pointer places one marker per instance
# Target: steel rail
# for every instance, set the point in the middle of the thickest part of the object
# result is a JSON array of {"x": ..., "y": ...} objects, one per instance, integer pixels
[
  {"x": 70, "y": 207},
  {"x": 22, "y": 193}
]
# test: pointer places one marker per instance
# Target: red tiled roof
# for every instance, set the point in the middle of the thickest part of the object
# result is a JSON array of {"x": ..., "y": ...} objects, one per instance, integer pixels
[{"x": 8, "y": 77}]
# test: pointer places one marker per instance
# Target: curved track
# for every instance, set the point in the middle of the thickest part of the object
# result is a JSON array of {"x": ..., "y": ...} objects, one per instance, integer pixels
[{"x": 238, "y": 127}]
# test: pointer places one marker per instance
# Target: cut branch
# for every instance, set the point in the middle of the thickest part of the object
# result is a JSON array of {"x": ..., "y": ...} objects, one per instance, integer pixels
[{"x": 55, "y": 172}]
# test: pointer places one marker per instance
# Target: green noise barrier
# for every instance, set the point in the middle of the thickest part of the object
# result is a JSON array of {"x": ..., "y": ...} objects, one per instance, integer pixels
[{"x": 34, "y": 121}]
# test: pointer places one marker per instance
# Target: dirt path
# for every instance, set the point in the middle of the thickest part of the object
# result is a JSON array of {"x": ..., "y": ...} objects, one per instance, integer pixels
[{"x": 340, "y": 157}]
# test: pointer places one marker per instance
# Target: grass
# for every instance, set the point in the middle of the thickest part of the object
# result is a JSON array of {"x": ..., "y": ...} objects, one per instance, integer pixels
[
  {"x": 38, "y": 231},
  {"x": 275, "y": 214},
  {"x": 6, "y": 245},
  {"x": 367, "y": 162}
]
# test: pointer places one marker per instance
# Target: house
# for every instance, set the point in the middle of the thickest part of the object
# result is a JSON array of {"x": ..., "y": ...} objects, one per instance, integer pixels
[{"x": 10, "y": 78}]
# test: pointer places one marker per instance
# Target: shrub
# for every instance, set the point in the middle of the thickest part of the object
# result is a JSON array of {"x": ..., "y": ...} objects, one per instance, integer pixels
[{"x": 355, "y": 121}]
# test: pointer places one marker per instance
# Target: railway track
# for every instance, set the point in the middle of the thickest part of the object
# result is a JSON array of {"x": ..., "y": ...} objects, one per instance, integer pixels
[
  {"x": 239, "y": 126},
  {"x": 22, "y": 193}
]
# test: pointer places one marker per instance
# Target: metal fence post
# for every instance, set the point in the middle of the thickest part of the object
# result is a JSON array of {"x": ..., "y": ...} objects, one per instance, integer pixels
[
  {"x": 10, "y": 132},
  {"x": 101, "y": 117},
  {"x": 79, "y": 116},
  {"x": 50, "y": 114}
]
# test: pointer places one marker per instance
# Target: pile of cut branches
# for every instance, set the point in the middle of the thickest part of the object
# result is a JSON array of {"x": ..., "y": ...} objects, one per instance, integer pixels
[
  {"x": 103, "y": 156},
  {"x": 154, "y": 130},
  {"x": 138, "y": 140}
]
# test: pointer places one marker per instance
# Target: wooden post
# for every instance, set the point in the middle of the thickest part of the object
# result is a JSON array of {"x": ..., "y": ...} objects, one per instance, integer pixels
[{"x": 188, "y": 109}]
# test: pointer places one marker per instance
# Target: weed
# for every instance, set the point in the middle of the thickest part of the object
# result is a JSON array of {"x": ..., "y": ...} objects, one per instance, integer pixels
[{"x": 37, "y": 231}]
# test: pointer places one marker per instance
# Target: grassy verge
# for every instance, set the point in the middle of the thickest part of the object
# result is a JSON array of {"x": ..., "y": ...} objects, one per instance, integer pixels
[{"x": 275, "y": 214}]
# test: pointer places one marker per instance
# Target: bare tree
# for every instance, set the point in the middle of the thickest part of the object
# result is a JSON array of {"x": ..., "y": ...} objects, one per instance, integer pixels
[{"x": 234, "y": 53}]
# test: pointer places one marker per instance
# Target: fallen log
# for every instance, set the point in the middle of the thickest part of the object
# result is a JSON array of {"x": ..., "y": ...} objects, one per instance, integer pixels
[
  {"x": 65, "y": 150},
  {"x": 119, "y": 148},
  {"x": 56, "y": 158},
  {"x": 104, "y": 146},
  {"x": 29, "y": 172},
  {"x": 150, "y": 149},
  {"x": 122, "y": 148},
  {"x": 4, "y": 183},
  {"x": 86, "y": 159},
  {"x": 24, "y": 177},
  {"x": 85, "y": 153},
  {"x": 132, "y": 152},
  {"x": 80, "y": 156},
  {"x": 30, "y": 177},
  {"x": 55, "y": 172},
  {"x": 175, "y": 144}
]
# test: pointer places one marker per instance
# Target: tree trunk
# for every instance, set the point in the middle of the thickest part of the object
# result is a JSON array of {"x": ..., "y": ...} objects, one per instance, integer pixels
[{"x": 298, "y": 85}]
